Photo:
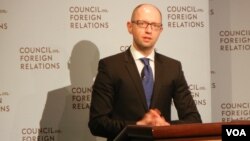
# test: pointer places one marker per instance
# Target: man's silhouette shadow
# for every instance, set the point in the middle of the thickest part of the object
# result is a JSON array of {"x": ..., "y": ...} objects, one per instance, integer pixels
[{"x": 67, "y": 121}]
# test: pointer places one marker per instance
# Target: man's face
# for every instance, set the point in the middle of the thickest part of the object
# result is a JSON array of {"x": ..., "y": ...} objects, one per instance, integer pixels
[{"x": 145, "y": 27}]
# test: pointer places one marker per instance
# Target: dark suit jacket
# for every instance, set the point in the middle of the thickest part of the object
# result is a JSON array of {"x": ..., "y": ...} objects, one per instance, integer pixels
[{"x": 118, "y": 96}]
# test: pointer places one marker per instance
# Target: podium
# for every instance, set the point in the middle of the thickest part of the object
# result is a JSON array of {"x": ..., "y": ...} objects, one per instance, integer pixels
[{"x": 180, "y": 132}]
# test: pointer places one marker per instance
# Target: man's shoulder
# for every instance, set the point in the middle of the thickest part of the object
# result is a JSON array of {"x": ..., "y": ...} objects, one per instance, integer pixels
[
  {"x": 164, "y": 58},
  {"x": 115, "y": 58}
]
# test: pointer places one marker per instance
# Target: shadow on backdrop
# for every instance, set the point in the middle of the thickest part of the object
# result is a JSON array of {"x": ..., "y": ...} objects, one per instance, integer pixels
[{"x": 66, "y": 113}]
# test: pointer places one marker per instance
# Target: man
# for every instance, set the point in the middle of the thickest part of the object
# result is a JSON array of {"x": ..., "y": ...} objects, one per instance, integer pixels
[{"x": 118, "y": 97}]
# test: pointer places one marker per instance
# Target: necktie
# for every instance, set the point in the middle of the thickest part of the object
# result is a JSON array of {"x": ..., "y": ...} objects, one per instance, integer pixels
[{"x": 147, "y": 79}]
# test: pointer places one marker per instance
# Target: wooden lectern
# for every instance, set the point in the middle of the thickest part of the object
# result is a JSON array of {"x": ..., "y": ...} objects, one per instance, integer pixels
[{"x": 181, "y": 132}]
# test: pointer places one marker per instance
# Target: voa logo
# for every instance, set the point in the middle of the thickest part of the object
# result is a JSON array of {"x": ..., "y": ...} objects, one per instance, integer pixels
[{"x": 236, "y": 132}]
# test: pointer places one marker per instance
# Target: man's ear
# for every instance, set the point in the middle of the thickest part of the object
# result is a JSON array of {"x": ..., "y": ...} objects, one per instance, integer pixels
[{"x": 129, "y": 27}]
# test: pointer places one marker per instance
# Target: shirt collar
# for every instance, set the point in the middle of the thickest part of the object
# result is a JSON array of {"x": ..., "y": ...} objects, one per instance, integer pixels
[{"x": 137, "y": 55}]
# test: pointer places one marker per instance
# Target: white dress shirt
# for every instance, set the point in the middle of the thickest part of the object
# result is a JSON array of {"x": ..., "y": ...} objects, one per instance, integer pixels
[{"x": 137, "y": 55}]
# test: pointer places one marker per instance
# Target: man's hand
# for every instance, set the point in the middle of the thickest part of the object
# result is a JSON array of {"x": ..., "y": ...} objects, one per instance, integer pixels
[{"x": 153, "y": 118}]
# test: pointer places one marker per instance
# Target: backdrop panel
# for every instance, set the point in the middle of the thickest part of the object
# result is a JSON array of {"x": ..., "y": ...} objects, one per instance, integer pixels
[
  {"x": 50, "y": 50},
  {"x": 230, "y": 52}
]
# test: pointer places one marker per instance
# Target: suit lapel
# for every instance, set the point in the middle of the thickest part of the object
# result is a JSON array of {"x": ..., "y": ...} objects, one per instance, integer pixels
[
  {"x": 157, "y": 83},
  {"x": 135, "y": 76}
]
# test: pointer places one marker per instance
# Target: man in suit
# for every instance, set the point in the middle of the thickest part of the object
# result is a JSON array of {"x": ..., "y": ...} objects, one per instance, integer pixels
[{"x": 118, "y": 97}]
